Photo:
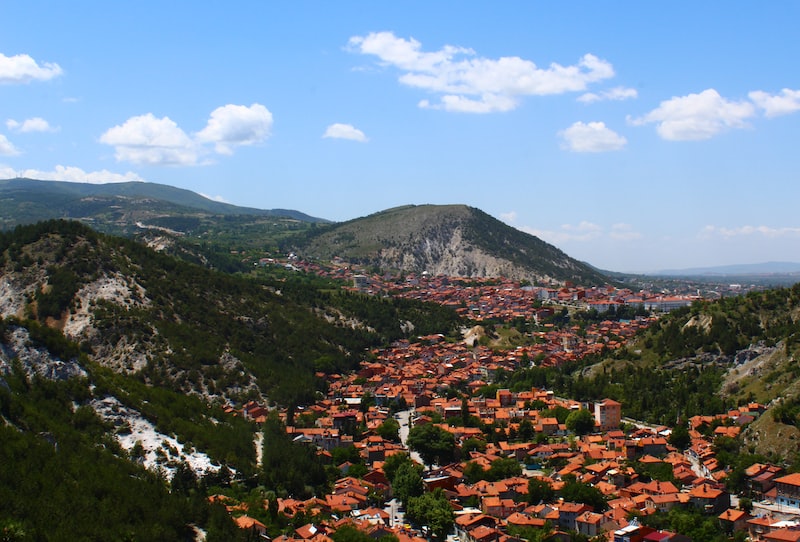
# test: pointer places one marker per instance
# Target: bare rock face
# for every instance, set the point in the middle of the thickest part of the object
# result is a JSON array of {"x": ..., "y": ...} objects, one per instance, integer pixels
[
  {"x": 113, "y": 289},
  {"x": 12, "y": 298},
  {"x": 123, "y": 355},
  {"x": 447, "y": 240},
  {"x": 452, "y": 255},
  {"x": 35, "y": 360}
]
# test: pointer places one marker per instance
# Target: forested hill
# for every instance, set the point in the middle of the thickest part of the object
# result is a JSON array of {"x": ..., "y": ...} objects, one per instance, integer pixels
[
  {"x": 140, "y": 312},
  {"x": 116, "y": 362},
  {"x": 25, "y": 200},
  {"x": 450, "y": 240}
]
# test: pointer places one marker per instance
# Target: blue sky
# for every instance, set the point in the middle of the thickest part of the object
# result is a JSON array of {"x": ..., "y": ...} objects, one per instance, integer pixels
[{"x": 635, "y": 136}]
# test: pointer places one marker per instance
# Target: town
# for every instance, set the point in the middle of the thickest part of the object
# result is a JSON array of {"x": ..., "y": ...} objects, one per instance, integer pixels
[{"x": 515, "y": 464}]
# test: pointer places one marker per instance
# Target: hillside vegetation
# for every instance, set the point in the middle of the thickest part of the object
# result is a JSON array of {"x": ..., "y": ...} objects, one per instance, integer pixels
[
  {"x": 450, "y": 240},
  {"x": 25, "y": 200},
  {"x": 99, "y": 334},
  {"x": 702, "y": 360},
  {"x": 168, "y": 322},
  {"x": 174, "y": 220}
]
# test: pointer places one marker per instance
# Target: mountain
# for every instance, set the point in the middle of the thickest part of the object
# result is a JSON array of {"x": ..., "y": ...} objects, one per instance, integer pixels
[
  {"x": 453, "y": 240},
  {"x": 766, "y": 268},
  {"x": 24, "y": 201}
]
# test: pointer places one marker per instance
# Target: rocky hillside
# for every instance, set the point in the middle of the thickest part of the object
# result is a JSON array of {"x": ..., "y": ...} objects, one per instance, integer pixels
[
  {"x": 118, "y": 359},
  {"x": 140, "y": 312},
  {"x": 453, "y": 240}
]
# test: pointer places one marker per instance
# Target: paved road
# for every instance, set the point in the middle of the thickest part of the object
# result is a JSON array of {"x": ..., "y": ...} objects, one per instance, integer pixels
[{"x": 404, "y": 417}]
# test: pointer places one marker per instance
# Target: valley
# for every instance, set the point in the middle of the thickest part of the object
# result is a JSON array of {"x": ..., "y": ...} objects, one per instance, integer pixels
[{"x": 295, "y": 397}]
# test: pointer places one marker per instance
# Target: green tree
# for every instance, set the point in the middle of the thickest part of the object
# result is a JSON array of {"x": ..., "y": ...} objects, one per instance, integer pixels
[
  {"x": 272, "y": 504},
  {"x": 502, "y": 468},
  {"x": 221, "y": 527},
  {"x": 580, "y": 422},
  {"x": 392, "y": 464},
  {"x": 526, "y": 431},
  {"x": 389, "y": 430},
  {"x": 574, "y": 491},
  {"x": 680, "y": 437},
  {"x": 655, "y": 471},
  {"x": 746, "y": 504},
  {"x": 473, "y": 444},
  {"x": 407, "y": 482},
  {"x": 473, "y": 472},
  {"x": 560, "y": 413},
  {"x": 184, "y": 479},
  {"x": 367, "y": 401},
  {"x": 287, "y": 465},
  {"x": 434, "y": 444},
  {"x": 349, "y": 533},
  {"x": 434, "y": 510},
  {"x": 540, "y": 491}
]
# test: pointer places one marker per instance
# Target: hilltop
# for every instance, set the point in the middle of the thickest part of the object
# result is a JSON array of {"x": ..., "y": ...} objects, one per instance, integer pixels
[{"x": 448, "y": 240}]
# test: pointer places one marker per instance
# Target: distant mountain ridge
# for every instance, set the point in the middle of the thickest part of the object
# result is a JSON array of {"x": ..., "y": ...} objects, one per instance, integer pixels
[
  {"x": 450, "y": 240},
  {"x": 737, "y": 269},
  {"x": 29, "y": 200}
]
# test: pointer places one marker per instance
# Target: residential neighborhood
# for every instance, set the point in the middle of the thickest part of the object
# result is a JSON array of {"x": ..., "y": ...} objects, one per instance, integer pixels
[{"x": 635, "y": 469}]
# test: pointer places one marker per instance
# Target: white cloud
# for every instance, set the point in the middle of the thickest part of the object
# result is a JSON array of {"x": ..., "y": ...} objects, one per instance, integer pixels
[
  {"x": 148, "y": 140},
  {"x": 696, "y": 116},
  {"x": 488, "y": 103},
  {"x": 35, "y": 124},
  {"x": 24, "y": 69},
  {"x": 711, "y": 232},
  {"x": 76, "y": 174},
  {"x": 344, "y": 131},
  {"x": 614, "y": 94},
  {"x": 6, "y": 147},
  {"x": 236, "y": 125},
  {"x": 591, "y": 137},
  {"x": 774, "y": 105},
  {"x": 472, "y": 84},
  {"x": 584, "y": 231}
]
